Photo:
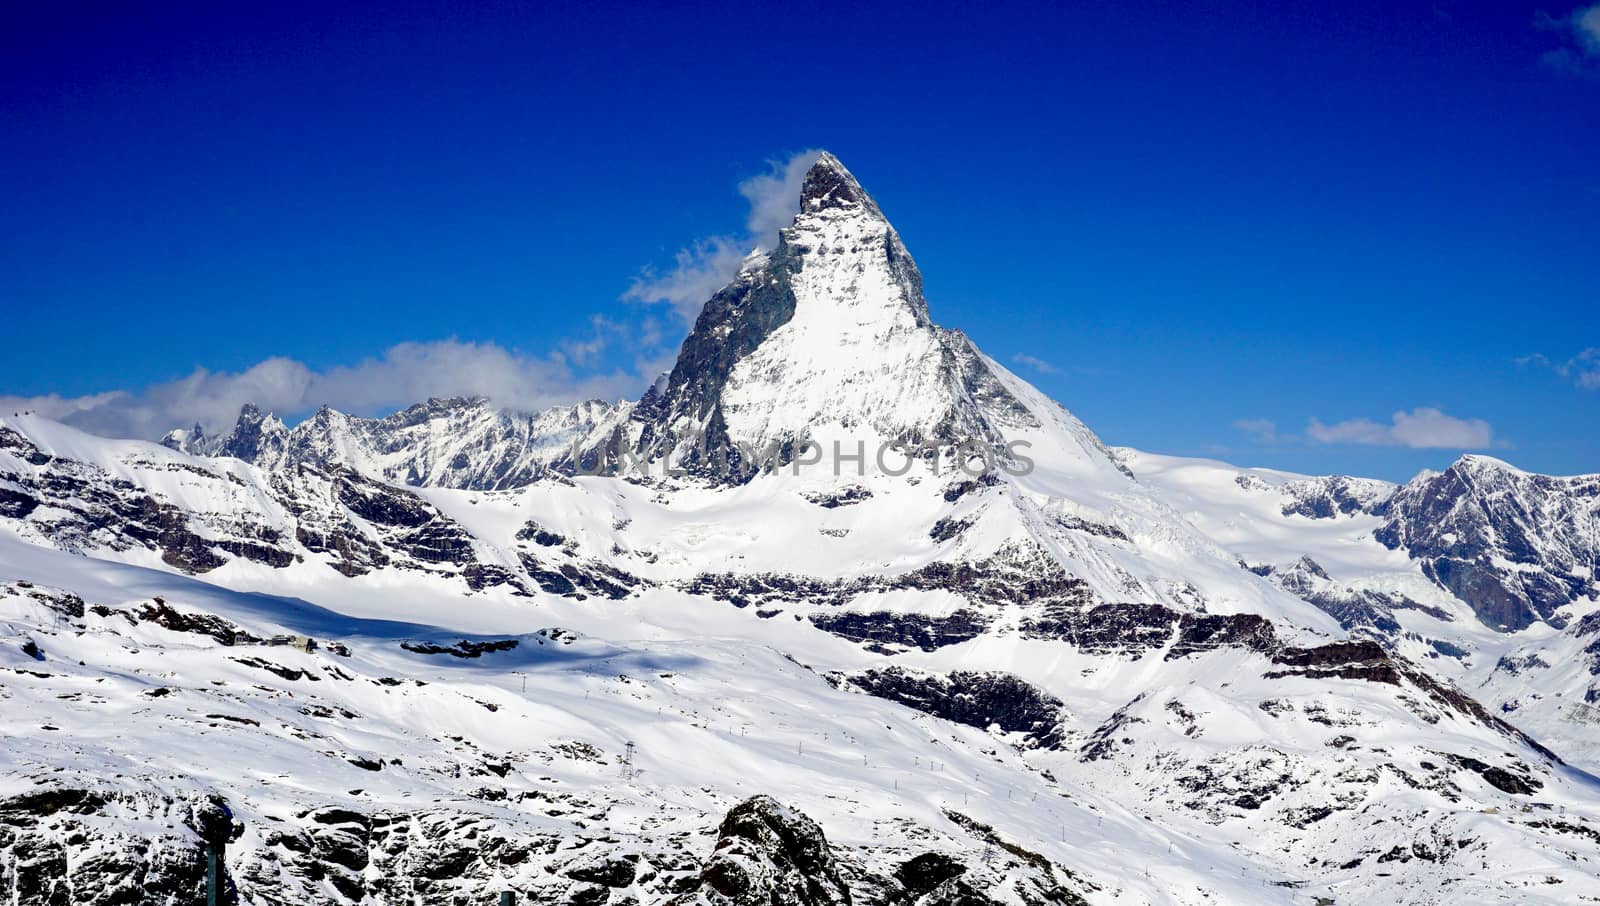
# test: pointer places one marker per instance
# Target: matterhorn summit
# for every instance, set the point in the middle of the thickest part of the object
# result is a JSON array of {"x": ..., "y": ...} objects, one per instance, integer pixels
[{"x": 827, "y": 339}]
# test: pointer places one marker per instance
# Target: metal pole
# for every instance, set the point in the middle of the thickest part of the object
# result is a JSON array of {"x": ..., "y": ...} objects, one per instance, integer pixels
[{"x": 214, "y": 874}]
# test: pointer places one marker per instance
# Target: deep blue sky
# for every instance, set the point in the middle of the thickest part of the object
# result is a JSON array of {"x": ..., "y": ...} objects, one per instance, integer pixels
[{"x": 1196, "y": 213}]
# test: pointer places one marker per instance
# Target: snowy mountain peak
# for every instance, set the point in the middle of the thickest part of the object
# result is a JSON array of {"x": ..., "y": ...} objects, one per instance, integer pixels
[
  {"x": 1472, "y": 463},
  {"x": 827, "y": 338},
  {"x": 851, "y": 250}
]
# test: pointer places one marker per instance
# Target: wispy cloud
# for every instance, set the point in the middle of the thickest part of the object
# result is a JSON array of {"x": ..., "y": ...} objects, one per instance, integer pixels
[
  {"x": 402, "y": 375},
  {"x": 696, "y": 274},
  {"x": 1580, "y": 32},
  {"x": 1582, "y": 369},
  {"x": 774, "y": 196},
  {"x": 1036, "y": 363},
  {"x": 1422, "y": 428},
  {"x": 708, "y": 264},
  {"x": 1260, "y": 430}
]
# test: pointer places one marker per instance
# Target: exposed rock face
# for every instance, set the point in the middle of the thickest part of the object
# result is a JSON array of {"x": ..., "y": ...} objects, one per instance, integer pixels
[
  {"x": 358, "y": 524},
  {"x": 63, "y": 846},
  {"x": 1335, "y": 495},
  {"x": 256, "y": 437},
  {"x": 1134, "y": 629},
  {"x": 1013, "y": 575},
  {"x": 466, "y": 648},
  {"x": 977, "y": 699},
  {"x": 1588, "y": 629},
  {"x": 1516, "y": 547},
  {"x": 922, "y": 875},
  {"x": 684, "y": 418},
  {"x": 332, "y": 513},
  {"x": 1369, "y": 661},
  {"x": 1353, "y": 608},
  {"x": 1033, "y": 879},
  {"x": 770, "y": 855},
  {"x": 81, "y": 506},
  {"x": 163, "y": 614},
  {"x": 581, "y": 579},
  {"x": 849, "y": 495},
  {"x": 882, "y": 630}
]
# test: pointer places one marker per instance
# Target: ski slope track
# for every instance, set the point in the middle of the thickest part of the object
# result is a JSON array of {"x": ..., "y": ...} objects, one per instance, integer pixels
[{"x": 711, "y": 647}]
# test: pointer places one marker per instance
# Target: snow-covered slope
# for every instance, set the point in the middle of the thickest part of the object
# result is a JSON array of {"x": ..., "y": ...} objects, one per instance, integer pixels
[
  {"x": 837, "y": 557},
  {"x": 1430, "y": 569}
]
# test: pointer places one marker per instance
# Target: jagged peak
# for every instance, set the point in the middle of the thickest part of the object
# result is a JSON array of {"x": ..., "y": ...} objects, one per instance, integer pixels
[
  {"x": 828, "y": 185},
  {"x": 251, "y": 416}
]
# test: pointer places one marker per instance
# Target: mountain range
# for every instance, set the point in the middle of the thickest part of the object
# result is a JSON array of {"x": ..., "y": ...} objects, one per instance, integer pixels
[{"x": 839, "y": 611}]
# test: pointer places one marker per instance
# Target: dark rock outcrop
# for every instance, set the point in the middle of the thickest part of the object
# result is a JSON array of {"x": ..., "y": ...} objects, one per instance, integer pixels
[
  {"x": 1014, "y": 575},
  {"x": 975, "y": 699},
  {"x": 1135, "y": 629},
  {"x": 1354, "y": 608},
  {"x": 465, "y": 648},
  {"x": 59, "y": 849},
  {"x": 1335, "y": 495},
  {"x": 881, "y": 630},
  {"x": 769, "y": 855}
]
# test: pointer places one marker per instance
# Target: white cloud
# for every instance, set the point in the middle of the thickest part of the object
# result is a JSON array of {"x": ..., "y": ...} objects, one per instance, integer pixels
[
  {"x": 1037, "y": 364},
  {"x": 696, "y": 275},
  {"x": 1261, "y": 430},
  {"x": 1422, "y": 428},
  {"x": 1586, "y": 22},
  {"x": 774, "y": 196},
  {"x": 706, "y": 266},
  {"x": 402, "y": 375},
  {"x": 60, "y": 408},
  {"x": 1582, "y": 29}
]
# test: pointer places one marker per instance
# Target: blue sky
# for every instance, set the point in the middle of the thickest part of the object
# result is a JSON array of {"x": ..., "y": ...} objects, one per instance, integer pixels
[{"x": 1229, "y": 230}]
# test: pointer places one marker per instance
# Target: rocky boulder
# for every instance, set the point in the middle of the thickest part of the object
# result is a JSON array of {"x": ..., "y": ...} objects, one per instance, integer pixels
[{"x": 768, "y": 854}]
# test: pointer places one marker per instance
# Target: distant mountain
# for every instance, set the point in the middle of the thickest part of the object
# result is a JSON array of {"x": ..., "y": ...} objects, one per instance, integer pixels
[
  {"x": 457, "y": 443},
  {"x": 841, "y": 611},
  {"x": 1519, "y": 548}
]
